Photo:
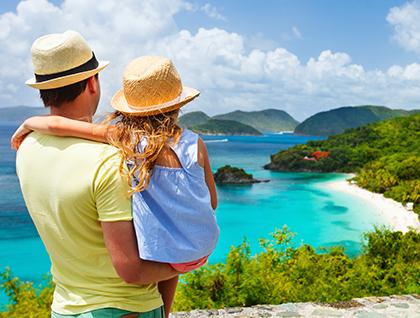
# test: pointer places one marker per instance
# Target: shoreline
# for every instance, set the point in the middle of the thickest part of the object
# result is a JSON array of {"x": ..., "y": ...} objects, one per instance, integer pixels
[{"x": 393, "y": 212}]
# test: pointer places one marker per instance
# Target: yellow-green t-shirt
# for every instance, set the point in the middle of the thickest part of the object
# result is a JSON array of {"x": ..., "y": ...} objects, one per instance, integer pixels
[{"x": 70, "y": 185}]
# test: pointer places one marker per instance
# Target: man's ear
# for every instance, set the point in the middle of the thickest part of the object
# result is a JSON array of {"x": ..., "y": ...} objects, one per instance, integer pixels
[{"x": 92, "y": 84}]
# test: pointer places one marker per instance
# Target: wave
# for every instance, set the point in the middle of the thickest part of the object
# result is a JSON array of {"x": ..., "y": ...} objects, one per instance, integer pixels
[
  {"x": 284, "y": 132},
  {"x": 216, "y": 140}
]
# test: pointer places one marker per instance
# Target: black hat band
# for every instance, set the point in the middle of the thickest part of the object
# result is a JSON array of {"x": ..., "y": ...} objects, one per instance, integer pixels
[{"x": 87, "y": 66}]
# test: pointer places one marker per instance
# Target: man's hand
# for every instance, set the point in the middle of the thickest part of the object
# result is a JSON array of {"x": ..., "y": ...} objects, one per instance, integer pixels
[
  {"x": 18, "y": 137},
  {"x": 121, "y": 243}
]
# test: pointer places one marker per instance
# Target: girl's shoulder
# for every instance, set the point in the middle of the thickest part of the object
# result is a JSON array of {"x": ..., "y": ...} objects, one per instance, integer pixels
[
  {"x": 188, "y": 136},
  {"x": 187, "y": 148}
]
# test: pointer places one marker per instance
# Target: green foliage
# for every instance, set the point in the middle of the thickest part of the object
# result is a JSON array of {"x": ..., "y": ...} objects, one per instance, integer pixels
[
  {"x": 337, "y": 120},
  {"x": 263, "y": 120},
  {"x": 385, "y": 156},
  {"x": 225, "y": 127},
  {"x": 389, "y": 264},
  {"x": 24, "y": 301},
  {"x": 193, "y": 118},
  {"x": 232, "y": 175}
]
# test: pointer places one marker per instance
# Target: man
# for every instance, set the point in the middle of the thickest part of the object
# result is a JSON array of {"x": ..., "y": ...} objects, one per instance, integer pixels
[{"x": 78, "y": 199}]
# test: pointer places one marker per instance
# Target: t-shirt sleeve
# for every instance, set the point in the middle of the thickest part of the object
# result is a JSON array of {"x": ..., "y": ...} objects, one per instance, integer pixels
[{"x": 110, "y": 190}]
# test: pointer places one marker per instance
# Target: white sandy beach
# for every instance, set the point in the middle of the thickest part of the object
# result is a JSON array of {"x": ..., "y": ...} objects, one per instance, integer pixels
[{"x": 394, "y": 213}]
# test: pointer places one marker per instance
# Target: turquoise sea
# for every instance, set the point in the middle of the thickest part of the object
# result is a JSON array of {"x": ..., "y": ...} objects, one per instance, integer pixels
[{"x": 318, "y": 216}]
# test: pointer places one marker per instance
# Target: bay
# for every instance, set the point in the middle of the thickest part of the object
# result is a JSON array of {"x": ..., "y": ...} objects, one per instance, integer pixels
[{"x": 318, "y": 216}]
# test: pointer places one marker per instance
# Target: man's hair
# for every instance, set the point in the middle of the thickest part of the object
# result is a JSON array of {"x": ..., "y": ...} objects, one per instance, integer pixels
[{"x": 61, "y": 95}]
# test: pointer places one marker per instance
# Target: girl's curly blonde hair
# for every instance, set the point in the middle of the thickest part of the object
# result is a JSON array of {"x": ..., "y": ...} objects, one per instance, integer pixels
[{"x": 127, "y": 133}]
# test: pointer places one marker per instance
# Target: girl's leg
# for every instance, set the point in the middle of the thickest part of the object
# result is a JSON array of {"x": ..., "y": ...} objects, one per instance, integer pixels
[{"x": 167, "y": 289}]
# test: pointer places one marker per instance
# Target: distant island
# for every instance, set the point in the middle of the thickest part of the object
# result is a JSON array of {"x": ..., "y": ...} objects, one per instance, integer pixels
[
  {"x": 268, "y": 120},
  {"x": 20, "y": 113},
  {"x": 385, "y": 156},
  {"x": 326, "y": 123},
  {"x": 337, "y": 120},
  {"x": 233, "y": 175},
  {"x": 225, "y": 127},
  {"x": 239, "y": 122},
  {"x": 193, "y": 119}
]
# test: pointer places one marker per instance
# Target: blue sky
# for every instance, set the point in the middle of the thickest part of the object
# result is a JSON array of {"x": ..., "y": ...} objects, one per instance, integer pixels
[
  {"x": 301, "y": 56},
  {"x": 358, "y": 28}
]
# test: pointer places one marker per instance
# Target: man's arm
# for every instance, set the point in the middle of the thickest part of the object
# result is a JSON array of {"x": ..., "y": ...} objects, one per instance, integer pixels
[
  {"x": 120, "y": 240},
  {"x": 110, "y": 190}
]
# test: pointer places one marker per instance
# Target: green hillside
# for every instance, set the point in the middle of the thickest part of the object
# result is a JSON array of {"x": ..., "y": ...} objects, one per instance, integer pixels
[
  {"x": 224, "y": 127},
  {"x": 264, "y": 120},
  {"x": 337, "y": 120},
  {"x": 385, "y": 156},
  {"x": 20, "y": 113},
  {"x": 193, "y": 119}
]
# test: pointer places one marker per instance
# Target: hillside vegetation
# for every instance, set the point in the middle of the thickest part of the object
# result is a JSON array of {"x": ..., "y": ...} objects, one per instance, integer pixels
[
  {"x": 388, "y": 265},
  {"x": 385, "y": 156},
  {"x": 193, "y": 119},
  {"x": 224, "y": 127},
  {"x": 239, "y": 122},
  {"x": 337, "y": 120},
  {"x": 264, "y": 120}
]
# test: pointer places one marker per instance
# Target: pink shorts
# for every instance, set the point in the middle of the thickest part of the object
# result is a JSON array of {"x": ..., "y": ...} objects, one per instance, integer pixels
[{"x": 189, "y": 266}]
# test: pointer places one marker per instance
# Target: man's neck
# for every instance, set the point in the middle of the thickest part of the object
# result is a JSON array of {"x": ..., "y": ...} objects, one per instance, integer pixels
[{"x": 72, "y": 111}]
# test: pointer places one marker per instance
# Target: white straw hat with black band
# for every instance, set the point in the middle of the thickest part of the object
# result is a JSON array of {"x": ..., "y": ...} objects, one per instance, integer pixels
[{"x": 61, "y": 59}]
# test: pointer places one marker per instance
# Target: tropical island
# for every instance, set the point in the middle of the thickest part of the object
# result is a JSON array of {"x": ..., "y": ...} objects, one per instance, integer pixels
[
  {"x": 337, "y": 120},
  {"x": 326, "y": 123},
  {"x": 225, "y": 127},
  {"x": 239, "y": 122},
  {"x": 385, "y": 156},
  {"x": 233, "y": 175}
]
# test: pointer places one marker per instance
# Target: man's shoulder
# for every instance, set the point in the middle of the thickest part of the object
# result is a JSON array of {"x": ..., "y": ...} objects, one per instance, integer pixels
[{"x": 68, "y": 149}]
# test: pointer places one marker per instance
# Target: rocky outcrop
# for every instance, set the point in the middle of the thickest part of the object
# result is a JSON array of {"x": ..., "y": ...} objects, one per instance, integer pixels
[
  {"x": 407, "y": 306},
  {"x": 232, "y": 175}
]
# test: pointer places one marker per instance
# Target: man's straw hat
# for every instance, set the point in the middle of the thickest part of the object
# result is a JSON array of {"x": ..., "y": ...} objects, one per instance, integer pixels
[
  {"x": 62, "y": 59},
  {"x": 151, "y": 85}
]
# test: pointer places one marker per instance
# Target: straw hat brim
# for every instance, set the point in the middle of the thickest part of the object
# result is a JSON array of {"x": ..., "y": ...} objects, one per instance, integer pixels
[
  {"x": 66, "y": 80},
  {"x": 119, "y": 103}
]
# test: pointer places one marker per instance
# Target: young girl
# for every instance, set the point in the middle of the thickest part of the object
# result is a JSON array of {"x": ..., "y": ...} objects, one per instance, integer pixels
[{"x": 174, "y": 195}]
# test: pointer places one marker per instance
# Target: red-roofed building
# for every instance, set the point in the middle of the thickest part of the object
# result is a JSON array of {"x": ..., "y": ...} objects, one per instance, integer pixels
[
  {"x": 320, "y": 154},
  {"x": 316, "y": 155}
]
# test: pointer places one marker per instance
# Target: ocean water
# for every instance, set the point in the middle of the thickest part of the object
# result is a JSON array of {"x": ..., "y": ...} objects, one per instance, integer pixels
[{"x": 318, "y": 216}]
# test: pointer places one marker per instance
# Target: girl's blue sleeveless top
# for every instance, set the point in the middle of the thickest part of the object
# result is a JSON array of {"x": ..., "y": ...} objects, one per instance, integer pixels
[{"x": 173, "y": 217}]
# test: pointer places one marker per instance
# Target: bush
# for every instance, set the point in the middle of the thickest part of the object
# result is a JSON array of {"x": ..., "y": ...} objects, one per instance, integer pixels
[
  {"x": 23, "y": 298},
  {"x": 389, "y": 264}
]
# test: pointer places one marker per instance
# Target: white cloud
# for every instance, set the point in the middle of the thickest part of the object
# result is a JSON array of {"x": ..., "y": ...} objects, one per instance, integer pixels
[
  {"x": 224, "y": 66},
  {"x": 212, "y": 12},
  {"x": 207, "y": 9},
  {"x": 297, "y": 32},
  {"x": 409, "y": 72},
  {"x": 406, "y": 22}
]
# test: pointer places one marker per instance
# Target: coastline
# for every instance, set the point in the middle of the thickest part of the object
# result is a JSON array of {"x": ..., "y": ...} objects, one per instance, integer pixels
[{"x": 393, "y": 212}]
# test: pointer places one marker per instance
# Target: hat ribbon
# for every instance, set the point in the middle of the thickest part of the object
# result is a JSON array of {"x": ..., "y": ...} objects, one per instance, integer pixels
[{"x": 87, "y": 66}]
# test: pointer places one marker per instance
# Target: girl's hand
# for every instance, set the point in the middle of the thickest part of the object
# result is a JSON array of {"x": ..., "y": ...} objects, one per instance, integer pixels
[{"x": 18, "y": 137}]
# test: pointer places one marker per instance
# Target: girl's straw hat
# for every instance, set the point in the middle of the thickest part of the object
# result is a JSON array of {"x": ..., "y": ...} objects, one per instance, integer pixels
[
  {"x": 62, "y": 59},
  {"x": 151, "y": 85}
]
